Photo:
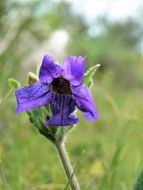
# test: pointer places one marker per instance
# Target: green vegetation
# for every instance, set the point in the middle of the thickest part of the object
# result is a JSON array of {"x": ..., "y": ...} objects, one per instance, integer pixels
[{"x": 109, "y": 151}]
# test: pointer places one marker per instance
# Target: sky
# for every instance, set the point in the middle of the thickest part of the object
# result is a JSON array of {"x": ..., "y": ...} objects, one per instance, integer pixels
[
  {"x": 90, "y": 9},
  {"x": 115, "y": 9}
]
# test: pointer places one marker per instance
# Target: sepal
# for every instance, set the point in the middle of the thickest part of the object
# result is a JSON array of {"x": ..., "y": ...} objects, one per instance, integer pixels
[
  {"x": 37, "y": 118},
  {"x": 88, "y": 77}
]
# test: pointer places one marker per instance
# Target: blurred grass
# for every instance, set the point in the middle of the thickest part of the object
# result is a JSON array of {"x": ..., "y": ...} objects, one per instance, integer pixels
[{"x": 113, "y": 145}]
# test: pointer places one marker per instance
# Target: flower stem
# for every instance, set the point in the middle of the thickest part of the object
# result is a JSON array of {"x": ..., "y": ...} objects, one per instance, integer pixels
[{"x": 67, "y": 165}]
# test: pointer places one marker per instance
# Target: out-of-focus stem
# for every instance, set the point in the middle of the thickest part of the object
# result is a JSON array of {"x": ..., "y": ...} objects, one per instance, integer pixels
[
  {"x": 7, "y": 95},
  {"x": 67, "y": 165}
]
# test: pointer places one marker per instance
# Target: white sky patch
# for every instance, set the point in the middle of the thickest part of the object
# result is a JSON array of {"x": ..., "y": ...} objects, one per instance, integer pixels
[
  {"x": 114, "y": 9},
  {"x": 59, "y": 39},
  {"x": 55, "y": 46},
  {"x": 58, "y": 42}
]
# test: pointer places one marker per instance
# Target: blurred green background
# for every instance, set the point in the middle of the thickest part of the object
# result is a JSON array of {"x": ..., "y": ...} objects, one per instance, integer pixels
[{"x": 109, "y": 150}]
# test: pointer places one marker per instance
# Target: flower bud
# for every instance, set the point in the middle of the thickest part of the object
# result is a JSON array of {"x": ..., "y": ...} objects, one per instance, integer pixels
[{"x": 32, "y": 78}]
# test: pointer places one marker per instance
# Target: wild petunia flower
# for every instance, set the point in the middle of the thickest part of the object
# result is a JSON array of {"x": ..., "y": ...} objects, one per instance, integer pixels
[{"x": 62, "y": 88}]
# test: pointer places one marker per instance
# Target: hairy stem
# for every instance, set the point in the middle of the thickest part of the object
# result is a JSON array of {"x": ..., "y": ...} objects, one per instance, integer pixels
[{"x": 67, "y": 165}]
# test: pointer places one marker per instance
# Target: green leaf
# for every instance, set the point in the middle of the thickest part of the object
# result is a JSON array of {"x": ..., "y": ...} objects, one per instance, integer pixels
[
  {"x": 13, "y": 83},
  {"x": 88, "y": 77},
  {"x": 139, "y": 182}
]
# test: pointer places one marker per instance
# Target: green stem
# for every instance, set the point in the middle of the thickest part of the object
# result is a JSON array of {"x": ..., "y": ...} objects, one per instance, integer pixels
[
  {"x": 7, "y": 95},
  {"x": 67, "y": 165}
]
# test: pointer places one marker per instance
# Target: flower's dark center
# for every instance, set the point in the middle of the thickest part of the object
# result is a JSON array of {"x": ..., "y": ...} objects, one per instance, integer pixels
[{"x": 61, "y": 86}]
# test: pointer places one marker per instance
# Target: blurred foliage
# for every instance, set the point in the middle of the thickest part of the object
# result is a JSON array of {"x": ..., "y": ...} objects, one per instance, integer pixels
[
  {"x": 139, "y": 182},
  {"x": 113, "y": 145}
]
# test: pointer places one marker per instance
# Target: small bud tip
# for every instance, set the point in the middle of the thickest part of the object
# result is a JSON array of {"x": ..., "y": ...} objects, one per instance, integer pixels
[{"x": 32, "y": 78}]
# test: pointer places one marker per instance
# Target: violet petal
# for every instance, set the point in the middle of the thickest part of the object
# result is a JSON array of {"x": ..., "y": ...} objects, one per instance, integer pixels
[
  {"x": 74, "y": 69},
  {"x": 62, "y": 106},
  {"x": 85, "y": 102},
  {"x": 49, "y": 70},
  {"x": 33, "y": 96}
]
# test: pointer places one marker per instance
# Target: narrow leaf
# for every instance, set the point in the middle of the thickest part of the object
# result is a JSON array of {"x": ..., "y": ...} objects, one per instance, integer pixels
[{"x": 77, "y": 163}]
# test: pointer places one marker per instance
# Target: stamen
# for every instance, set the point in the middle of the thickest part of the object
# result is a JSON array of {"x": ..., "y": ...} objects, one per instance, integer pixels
[{"x": 61, "y": 86}]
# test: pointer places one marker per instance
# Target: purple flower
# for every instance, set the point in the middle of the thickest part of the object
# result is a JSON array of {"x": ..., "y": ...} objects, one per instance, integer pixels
[{"x": 61, "y": 86}]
